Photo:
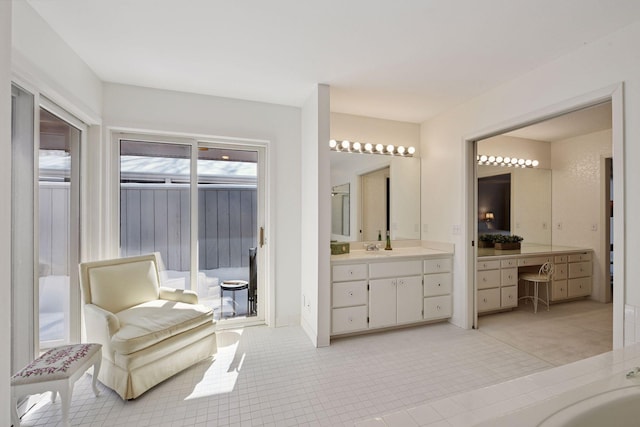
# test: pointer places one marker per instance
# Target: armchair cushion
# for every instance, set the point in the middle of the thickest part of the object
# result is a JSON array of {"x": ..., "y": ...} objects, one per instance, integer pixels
[
  {"x": 148, "y": 323},
  {"x": 120, "y": 286},
  {"x": 180, "y": 295}
]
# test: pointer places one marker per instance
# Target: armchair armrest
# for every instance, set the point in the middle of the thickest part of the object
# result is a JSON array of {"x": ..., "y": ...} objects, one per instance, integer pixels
[
  {"x": 179, "y": 295},
  {"x": 101, "y": 325}
]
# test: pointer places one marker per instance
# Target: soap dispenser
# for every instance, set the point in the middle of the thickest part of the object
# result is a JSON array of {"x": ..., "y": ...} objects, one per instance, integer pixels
[{"x": 388, "y": 246}]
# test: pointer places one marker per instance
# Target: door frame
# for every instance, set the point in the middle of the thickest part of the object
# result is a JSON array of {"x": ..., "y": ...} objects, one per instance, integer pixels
[
  {"x": 613, "y": 93},
  {"x": 265, "y": 219}
]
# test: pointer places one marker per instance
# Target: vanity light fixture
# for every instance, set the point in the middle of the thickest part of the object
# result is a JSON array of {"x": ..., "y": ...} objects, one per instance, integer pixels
[
  {"x": 506, "y": 161},
  {"x": 369, "y": 148}
]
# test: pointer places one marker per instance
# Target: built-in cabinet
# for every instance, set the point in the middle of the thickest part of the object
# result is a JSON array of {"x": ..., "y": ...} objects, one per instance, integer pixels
[
  {"x": 373, "y": 293},
  {"x": 497, "y": 278}
]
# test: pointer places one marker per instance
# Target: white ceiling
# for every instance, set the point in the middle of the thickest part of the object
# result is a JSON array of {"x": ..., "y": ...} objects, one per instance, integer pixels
[{"x": 402, "y": 60}]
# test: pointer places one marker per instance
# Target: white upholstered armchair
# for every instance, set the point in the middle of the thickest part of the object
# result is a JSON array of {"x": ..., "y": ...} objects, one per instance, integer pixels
[{"x": 148, "y": 332}]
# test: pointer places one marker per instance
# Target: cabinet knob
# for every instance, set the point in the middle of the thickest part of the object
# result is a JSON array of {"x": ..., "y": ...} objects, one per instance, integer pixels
[
  {"x": 484, "y": 299},
  {"x": 439, "y": 285},
  {"x": 350, "y": 293},
  {"x": 350, "y": 320},
  {"x": 438, "y": 307}
]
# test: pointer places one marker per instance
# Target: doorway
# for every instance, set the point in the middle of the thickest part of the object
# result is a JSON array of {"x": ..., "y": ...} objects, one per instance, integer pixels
[
  {"x": 612, "y": 94},
  {"x": 201, "y": 206}
]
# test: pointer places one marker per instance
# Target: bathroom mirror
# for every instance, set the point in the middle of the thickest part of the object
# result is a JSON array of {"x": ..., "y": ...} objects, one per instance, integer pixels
[
  {"x": 390, "y": 183},
  {"x": 340, "y": 208},
  {"x": 515, "y": 201}
]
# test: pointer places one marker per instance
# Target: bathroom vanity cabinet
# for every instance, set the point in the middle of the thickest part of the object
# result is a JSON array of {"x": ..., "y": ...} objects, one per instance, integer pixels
[
  {"x": 381, "y": 290},
  {"x": 497, "y": 276}
]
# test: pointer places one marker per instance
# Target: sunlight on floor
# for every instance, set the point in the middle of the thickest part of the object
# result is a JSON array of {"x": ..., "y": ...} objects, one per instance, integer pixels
[{"x": 222, "y": 375}]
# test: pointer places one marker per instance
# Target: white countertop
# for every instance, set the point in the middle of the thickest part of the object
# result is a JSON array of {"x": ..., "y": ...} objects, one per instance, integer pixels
[
  {"x": 400, "y": 252},
  {"x": 527, "y": 249}
]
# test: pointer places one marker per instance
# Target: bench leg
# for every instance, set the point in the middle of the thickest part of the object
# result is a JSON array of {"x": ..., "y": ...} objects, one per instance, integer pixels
[
  {"x": 94, "y": 377},
  {"x": 65, "y": 398}
]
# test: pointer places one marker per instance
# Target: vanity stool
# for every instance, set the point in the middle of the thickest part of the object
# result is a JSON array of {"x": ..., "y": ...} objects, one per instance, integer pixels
[
  {"x": 233, "y": 286},
  {"x": 544, "y": 275},
  {"x": 56, "y": 370}
]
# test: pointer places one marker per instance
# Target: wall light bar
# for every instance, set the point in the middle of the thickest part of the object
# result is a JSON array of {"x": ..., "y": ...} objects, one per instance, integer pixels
[
  {"x": 506, "y": 161},
  {"x": 368, "y": 148}
]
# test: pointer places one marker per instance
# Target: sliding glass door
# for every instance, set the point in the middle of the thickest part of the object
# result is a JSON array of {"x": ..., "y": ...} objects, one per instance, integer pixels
[{"x": 197, "y": 204}]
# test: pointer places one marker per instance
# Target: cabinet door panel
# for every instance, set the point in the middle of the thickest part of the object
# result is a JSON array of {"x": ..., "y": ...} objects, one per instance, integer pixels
[
  {"x": 579, "y": 269},
  {"x": 440, "y": 265},
  {"x": 488, "y": 299},
  {"x": 437, "y": 307},
  {"x": 409, "y": 299},
  {"x": 509, "y": 276},
  {"x": 437, "y": 284},
  {"x": 382, "y": 303},
  {"x": 349, "y": 293},
  {"x": 579, "y": 287},
  {"x": 488, "y": 279},
  {"x": 349, "y": 272},
  {"x": 509, "y": 296},
  {"x": 348, "y": 319},
  {"x": 559, "y": 290}
]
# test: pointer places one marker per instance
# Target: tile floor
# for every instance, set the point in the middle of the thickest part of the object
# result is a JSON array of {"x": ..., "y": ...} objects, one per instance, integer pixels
[{"x": 274, "y": 377}]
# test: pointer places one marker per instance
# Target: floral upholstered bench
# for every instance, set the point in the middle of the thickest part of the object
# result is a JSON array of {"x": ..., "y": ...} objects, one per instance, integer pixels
[{"x": 56, "y": 370}]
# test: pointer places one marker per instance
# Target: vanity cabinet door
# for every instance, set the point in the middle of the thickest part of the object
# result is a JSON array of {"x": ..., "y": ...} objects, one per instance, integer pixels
[
  {"x": 488, "y": 279},
  {"x": 579, "y": 287},
  {"x": 509, "y": 296},
  {"x": 347, "y": 294},
  {"x": 382, "y": 302},
  {"x": 348, "y": 319},
  {"x": 559, "y": 290},
  {"x": 342, "y": 273},
  {"x": 409, "y": 299},
  {"x": 437, "y": 307},
  {"x": 440, "y": 265},
  {"x": 437, "y": 284},
  {"x": 488, "y": 299}
]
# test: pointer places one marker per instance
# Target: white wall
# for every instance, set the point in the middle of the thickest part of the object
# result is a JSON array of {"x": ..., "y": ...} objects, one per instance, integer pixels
[
  {"x": 5, "y": 208},
  {"x": 577, "y": 199},
  {"x": 315, "y": 211},
  {"x": 154, "y": 110},
  {"x": 41, "y": 56},
  {"x": 597, "y": 65}
]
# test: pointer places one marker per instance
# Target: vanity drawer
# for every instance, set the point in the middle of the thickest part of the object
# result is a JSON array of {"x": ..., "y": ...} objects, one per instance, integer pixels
[
  {"x": 505, "y": 263},
  {"x": 579, "y": 269},
  {"x": 348, "y": 319},
  {"x": 559, "y": 290},
  {"x": 560, "y": 259},
  {"x": 579, "y": 287},
  {"x": 342, "y": 273},
  {"x": 349, "y": 293},
  {"x": 509, "y": 276},
  {"x": 509, "y": 296},
  {"x": 488, "y": 279},
  {"x": 523, "y": 262},
  {"x": 560, "y": 271},
  {"x": 488, "y": 299},
  {"x": 437, "y": 307},
  {"x": 584, "y": 256},
  {"x": 395, "y": 269},
  {"x": 437, "y": 284},
  {"x": 441, "y": 265},
  {"x": 488, "y": 265}
]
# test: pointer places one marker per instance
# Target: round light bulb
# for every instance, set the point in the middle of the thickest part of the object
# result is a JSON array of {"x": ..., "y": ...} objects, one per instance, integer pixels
[
  {"x": 401, "y": 150},
  {"x": 411, "y": 150},
  {"x": 499, "y": 159},
  {"x": 483, "y": 158},
  {"x": 357, "y": 146},
  {"x": 514, "y": 161},
  {"x": 527, "y": 162},
  {"x": 345, "y": 145},
  {"x": 390, "y": 148},
  {"x": 521, "y": 162},
  {"x": 368, "y": 146},
  {"x": 333, "y": 143},
  {"x": 379, "y": 148},
  {"x": 492, "y": 159},
  {"x": 507, "y": 159},
  {"x": 535, "y": 163}
]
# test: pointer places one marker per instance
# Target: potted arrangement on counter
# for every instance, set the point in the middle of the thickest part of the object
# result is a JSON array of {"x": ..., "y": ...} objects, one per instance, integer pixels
[
  {"x": 486, "y": 240},
  {"x": 506, "y": 243}
]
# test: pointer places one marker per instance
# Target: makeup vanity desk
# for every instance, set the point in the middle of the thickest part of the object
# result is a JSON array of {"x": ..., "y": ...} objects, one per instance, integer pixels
[{"x": 497, "y": 273}]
